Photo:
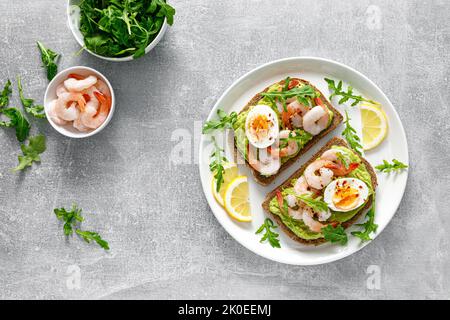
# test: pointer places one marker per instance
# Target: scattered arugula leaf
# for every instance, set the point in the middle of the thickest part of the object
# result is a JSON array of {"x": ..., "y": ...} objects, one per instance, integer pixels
[
  {"x": 350, "y": 135},
  {"x": 119, "y": 28},
  {"x": 369, "y": 226},
  {"x": 301, "y": 93},
  {"x": 317, "y": 204},
  {"x": 49, "y": 59},
  {"x": 333, "y": 234},
  {"x": 36, "y": 111},
  {"x": 388, "y": 167},
  {"x": 342, "y": 159},
  {"x": 269, "y": 235},
  {"x": 72, "y": 220},
  {"x": 299, "y": 136},
  {"x": 216, "y": 165},
  {"x": 225, "y": 122},
  {"x": 88, "y": 236},
  {"x": 4, "y": 95},
  {"x": 17, "y": 121},
  {"x": 31, "y": 153},
  {"x": 337, "y": 91}
]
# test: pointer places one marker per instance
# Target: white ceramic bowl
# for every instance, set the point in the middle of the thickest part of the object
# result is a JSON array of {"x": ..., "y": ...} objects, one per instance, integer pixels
[
  {"x": 73, "y": 14},
  {"x": 50, "y": 94}
]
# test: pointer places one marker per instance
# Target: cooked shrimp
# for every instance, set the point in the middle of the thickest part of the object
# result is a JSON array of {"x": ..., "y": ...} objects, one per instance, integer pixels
[
  {"x": 324, "y": 176},
  {"x": 302, "y": 187},
  {"x": 92, "y": 101},
  {"x": 52, "y": 114},
  {"x": 316, "y": 120},
  {"x": 60, "y": 89},
  {"x": 77, "y": 124},
  {"x": 269, "y": 162},
  {"x": 338, "y": 168},
  {"x": 291, "y": 200},
  {"x": 293, "y": 116},
  {"x": 296, "y": 214},
  {"x": 75, "y": 85},
  {"x": 308, "y": 219},
  {"x": 290, "y": 149},
  {"x": 71, "y": 113},
  {"x": 93, "y": 118}
]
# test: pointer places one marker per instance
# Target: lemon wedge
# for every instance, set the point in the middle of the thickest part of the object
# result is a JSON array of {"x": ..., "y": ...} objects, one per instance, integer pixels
[
  {"x": 236, "y": 199},
  {"x": 231, "y": 172},
  {"x": 374, "y": 126}
]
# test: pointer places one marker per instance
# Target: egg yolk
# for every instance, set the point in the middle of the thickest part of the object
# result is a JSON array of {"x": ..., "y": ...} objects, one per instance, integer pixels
[
  {"x": 345, "y": 197},
  {"x": 260, "y": 125}
]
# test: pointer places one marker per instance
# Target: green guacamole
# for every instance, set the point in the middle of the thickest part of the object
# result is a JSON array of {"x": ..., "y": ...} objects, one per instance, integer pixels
[{"x": 298, "y": 227}]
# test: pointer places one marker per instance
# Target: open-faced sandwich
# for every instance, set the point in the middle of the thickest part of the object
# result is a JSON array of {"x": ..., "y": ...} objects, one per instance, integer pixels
[
  {"x": 334, "y": 188},
  {"x": 281, "y": 123}
]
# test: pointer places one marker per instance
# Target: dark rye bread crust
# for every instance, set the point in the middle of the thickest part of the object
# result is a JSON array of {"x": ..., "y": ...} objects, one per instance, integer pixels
[
  {"x": 335, "y": 141},
  {"x": 337, "y": 119}
]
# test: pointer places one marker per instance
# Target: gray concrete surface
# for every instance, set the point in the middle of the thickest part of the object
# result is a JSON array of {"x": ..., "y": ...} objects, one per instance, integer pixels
[{"x": 165, "y": 241}]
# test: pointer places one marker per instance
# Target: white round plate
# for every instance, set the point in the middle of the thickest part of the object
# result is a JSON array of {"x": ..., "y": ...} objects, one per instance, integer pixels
[{"x": 390, "y": 186}]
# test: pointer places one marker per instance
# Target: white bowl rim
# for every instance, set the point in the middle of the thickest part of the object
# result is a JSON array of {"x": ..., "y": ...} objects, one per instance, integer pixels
[
  {"x": 59, "y": 128},
  {"x": 148, "y": 48}
]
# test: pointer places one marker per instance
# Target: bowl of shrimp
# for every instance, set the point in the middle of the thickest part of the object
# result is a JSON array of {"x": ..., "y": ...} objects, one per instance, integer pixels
[{"x": 79, "y": 102}]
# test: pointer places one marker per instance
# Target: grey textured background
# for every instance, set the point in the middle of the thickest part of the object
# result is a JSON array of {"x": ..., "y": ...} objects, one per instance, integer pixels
[{"x": 165, "y": 241}]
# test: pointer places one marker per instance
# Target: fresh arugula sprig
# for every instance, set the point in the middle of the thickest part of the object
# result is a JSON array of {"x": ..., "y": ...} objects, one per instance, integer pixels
[
  {"x": 301, "y": 93},
  {"x": 346, "y": 95},
  {"x": 369, "y": 226},
  {"x": 335, "y": 234},
  {"x": 17, "y": 121},
  {"x": 350, "y": 135},
  {"x": 49, "y": 59},
  {"x": 225, "y": 121},
  {"x": 36, "y": 111},
  {"x": 317, "y": 204},
  {"x": 4, "y": 95},
  {"x": 269, "y": 235},
  {"x": 216, "y": 165},
  {"x": 89, "y": 236},
  {"x": 72, "y": 219},
  {"x": 389, "y": 167},
  {"x": 31, "y": 153},
  {"x": 119, "y": 28}
]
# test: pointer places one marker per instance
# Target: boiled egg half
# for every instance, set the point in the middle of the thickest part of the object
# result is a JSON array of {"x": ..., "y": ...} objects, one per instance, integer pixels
[
  {"x": 345, "y": 194},
  {"x": 261, "y": 126}
]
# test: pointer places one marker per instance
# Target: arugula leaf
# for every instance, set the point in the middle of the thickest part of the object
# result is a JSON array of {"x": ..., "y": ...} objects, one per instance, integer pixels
[
  {"x": 350, "y": 135},
  {"x": 346, "y": 95},
  {"x": 70, "y": 218},
  {"x": 36, "y": 111},
  {"x": 120, "y": 28},
  {"x": 388, "y": 167},
  {"x": 88, "y": 236},
  {"x": 49, "y": 59},
  {"x": 299, "y": 136},
  {"x": 216, "y": 165},
  {"x": 225, "y": 121},
  {"x": 31, "y": 153},
  {"x": 17, "y": 121},
  {"x": 269, "y": 235},
  {"x": 369, "y": 226},
  {"x": 317, "y": 204},
  {"x": 301, "y": 93},
  {"x": 337, "y": 234},
  {"x": 4, "y": 95}
]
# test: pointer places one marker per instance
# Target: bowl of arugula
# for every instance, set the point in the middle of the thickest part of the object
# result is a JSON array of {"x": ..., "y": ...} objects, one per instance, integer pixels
[{"x": 119, "y": 30}]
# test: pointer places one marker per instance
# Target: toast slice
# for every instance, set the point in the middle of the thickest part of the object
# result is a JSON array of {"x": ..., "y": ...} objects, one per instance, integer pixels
[
  {"x": 335, "y": 141},
  {"x": 337, "y": 119}
]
